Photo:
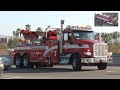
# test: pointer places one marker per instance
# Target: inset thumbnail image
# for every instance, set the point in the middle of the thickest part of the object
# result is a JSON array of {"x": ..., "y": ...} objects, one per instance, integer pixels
[{"x": 106, "y": 19}]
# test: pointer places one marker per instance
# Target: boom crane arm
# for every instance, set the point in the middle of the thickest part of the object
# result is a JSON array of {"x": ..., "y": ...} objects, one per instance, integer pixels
[{"x": 31, "y": 34}]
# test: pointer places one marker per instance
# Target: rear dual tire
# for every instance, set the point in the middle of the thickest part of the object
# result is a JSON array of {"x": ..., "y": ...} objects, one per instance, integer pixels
[
  {"x": 23, "y": 62},
  {"x": 26, "y": 62}
]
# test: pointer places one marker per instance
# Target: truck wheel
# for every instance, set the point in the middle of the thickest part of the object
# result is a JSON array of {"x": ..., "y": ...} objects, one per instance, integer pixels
[
  {"x": 102, "y": 66},
  {"x": 26, "y": 62},
  {"x": 18, "y": 61},
  {"x": 76, "y": 62}
]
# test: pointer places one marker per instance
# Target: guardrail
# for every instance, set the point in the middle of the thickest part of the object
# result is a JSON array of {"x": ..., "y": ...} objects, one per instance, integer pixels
[{"x": 115, "y": 60}]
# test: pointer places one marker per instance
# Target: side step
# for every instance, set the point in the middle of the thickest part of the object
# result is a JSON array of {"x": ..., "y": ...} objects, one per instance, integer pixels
[{"x": 64, "y": 59}]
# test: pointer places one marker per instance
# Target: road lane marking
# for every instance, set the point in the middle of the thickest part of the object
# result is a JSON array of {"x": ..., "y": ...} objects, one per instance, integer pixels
[{"x": 111, "y": 71}]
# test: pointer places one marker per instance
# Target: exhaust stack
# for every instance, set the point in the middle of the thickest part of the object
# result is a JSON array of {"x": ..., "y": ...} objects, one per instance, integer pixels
[{"x": 61, "y": 37}]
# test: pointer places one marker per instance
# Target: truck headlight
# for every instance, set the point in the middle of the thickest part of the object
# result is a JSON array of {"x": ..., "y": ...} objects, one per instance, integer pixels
[{"x": 88, "y": 53}]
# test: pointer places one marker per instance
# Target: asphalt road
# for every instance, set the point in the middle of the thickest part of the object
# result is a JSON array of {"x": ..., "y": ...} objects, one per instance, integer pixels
[{"x": 62, "y": 72}]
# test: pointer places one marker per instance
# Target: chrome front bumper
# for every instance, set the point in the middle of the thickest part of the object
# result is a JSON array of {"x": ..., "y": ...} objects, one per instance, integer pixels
[{"x": 94, "y": 60}]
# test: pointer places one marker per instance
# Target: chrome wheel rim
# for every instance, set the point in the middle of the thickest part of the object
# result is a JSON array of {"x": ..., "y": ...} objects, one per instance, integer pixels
[
  {"x": 17, "y": 61},
  {"x": 25, "y": 62}
]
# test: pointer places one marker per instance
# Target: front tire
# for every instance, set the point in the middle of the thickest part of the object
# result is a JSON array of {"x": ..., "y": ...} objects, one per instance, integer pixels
[
  {"x": 76, "y": 62},
  {"x": 102, "y": 66}
]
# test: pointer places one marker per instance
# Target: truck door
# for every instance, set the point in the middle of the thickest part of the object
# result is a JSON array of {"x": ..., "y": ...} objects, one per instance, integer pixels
[{"x": 67, "y": 40}]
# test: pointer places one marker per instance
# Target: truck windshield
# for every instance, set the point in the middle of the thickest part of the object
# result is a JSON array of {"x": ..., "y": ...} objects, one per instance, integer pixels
[{"x": 83, "y": 35}]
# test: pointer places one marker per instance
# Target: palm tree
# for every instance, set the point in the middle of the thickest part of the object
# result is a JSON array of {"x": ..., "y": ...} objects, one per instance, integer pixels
[
  {"x": 28, "y": 26},
  {"x": 39, "y": 29},
  {"x": 104, "y": 37},
  {"x": 17, "y": 32},
  {"x": 115, "y": 36},
  {"x": 107, "y": 38},
  {"x": 14, "y": 33}
]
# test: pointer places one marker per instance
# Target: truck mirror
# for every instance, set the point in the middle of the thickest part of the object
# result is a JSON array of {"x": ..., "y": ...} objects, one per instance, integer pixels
[{"x": 70, "y": 39}]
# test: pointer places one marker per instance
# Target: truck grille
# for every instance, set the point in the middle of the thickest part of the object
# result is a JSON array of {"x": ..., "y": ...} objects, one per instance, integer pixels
[{"x": 100, "y": 50}]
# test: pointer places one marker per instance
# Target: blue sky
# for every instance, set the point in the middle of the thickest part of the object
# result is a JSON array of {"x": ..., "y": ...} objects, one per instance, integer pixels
[{"x": 11, "y": 20}]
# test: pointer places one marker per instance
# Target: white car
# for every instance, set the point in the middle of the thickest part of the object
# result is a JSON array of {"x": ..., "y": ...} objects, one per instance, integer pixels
[
  {"x": 1, "y": 66},
  {"x": 6, "y": 62}
]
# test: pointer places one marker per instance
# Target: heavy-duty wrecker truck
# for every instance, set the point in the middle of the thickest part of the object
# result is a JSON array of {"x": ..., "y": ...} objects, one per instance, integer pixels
[{"x": 73, "y": 45}]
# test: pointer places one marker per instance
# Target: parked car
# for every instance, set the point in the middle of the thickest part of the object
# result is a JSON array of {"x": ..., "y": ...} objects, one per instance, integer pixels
[
  {"x": 1, "y": 66},
  {"x": 6, "y": 62}
]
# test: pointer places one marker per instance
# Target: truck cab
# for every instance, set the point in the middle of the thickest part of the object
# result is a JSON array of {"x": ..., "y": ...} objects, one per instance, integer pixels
[{"x": 81, "y": 48}]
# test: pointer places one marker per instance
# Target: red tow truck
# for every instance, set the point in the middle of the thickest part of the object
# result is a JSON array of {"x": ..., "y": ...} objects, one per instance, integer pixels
[{"x": 73, "y": 45}]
